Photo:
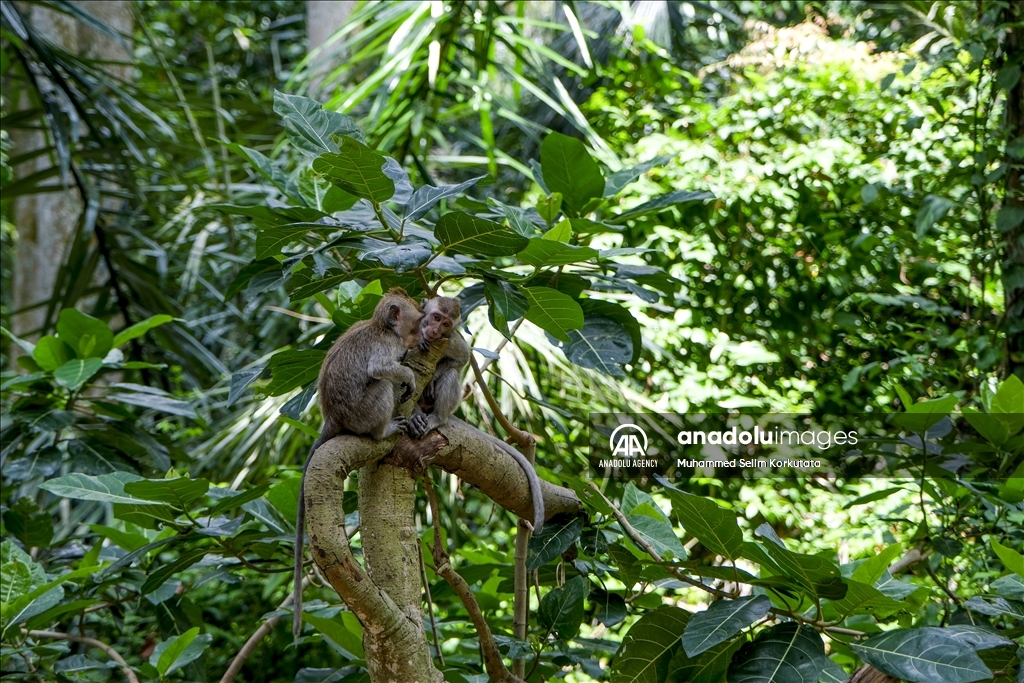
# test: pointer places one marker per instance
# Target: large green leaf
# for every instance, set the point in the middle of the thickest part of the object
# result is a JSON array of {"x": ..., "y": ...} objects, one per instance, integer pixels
[
  {"x": 923, "y": 655},
  {"x": 321, "y": 194},
  {"x": 596, "y": 308},
  {"x": 505, "y": 303},
  {"x": 427, "y": 197},
  {"x": 656, "y": 530},
  {"x": 721, "y": 621},
  {"x": 542, "y": 252},
  {"x": 77, "y": 372},
  {"x": 663, "y": 202},
  {"x": 711, "y": 524},
  {"x": 648, "y": 647},
  {"x": 89, "y": 337},
  {"x": 1010, "y": 558},
  {"x": 561, "y": 609},
  {"x": 165, "y": 571},
  {"x": 345, "y": 633},
  {"x": 602, "y": 344},
  {"x": 358, "y": 170},
  {"x": 141, "y": 328},
  {"x": 785, "y": 653},
  {"x": 553, "y": 312},
  {"x": 403, "y": 257},
  {"x": 923, "y": 414},
  {"x": 460, "y": 232},
  {"x": 617, "y": 181},
  {"x": 309, "y": 126},
  {"x": 266, "y": 168},
  {"x": 863, "y": 598},
  {"x": 552, "y": 541},
  {"x": 709, "y": 667},
  {"x": 180, "y": 492},
  {"x": 51, "y": 353},
  {"x": 106, "y": 488},
  {"x": 569, "y": 169},
  {"x": 293, "y": 369},
  {"x": 179, "y": 651}
]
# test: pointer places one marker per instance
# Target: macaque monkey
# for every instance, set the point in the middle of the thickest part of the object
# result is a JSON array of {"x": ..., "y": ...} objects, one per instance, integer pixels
[
  {"x": 441, "y": 396},
  {"x": 357, "y": 394}
]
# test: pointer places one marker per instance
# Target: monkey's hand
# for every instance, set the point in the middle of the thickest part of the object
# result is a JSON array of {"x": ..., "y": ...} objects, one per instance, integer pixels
[
  {"x": 424, "y": 345},
  {"x": 407, "y": 392},
  {"x": 428, "y": 392},
  {"x": 418, "y": 426}
]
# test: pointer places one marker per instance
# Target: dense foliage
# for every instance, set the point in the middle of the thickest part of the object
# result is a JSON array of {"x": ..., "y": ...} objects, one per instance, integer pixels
[{"x": 721, "y": 208}]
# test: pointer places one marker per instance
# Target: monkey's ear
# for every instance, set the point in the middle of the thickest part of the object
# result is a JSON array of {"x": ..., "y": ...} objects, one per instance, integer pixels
[{"x": 394, "y": 312}]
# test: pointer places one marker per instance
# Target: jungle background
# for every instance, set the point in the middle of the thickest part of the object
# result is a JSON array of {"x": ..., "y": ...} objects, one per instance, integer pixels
[{"x": 801, "y": 207}]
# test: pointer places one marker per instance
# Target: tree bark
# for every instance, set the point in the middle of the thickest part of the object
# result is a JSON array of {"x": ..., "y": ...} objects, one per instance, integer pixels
[
  {"x": 323, "y": 18},
  {"x": 46, "y": 222}
]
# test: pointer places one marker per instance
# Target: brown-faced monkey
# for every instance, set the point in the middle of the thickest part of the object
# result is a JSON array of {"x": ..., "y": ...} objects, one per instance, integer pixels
[
  {"x": 357, "y": 395},
  {"x": 441, "y": 395}
]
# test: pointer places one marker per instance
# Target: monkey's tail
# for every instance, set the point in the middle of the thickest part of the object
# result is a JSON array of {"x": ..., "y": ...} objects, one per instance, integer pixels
[
  {"x": 300, "y": 525},
  {"x": 531, "y": 477}
]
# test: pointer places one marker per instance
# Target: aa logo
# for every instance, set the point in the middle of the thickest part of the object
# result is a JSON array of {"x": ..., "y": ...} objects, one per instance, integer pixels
[{"x": 626, "y": 441}]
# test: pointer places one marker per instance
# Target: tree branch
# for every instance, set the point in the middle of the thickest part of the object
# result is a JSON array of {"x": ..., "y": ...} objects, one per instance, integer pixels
[{"x": 92, "y": 642}]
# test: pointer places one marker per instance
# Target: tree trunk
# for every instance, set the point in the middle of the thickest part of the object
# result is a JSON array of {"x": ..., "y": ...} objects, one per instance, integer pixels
[
  {"x": 323, "y": 18},
  {"x": 46, "y": 222}
]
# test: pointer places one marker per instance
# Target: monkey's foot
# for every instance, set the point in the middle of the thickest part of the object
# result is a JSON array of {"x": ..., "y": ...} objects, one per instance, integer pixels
[{"x": 418, "y": 426}]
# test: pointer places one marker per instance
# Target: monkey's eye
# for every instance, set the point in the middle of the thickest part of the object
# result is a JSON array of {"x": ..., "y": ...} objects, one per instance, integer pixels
[{"x": 437, "y": 317}]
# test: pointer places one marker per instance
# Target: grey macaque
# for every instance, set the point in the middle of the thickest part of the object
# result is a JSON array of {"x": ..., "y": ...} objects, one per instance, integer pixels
[
  {"x": 357, "y": 396},
  {"x": 442, "y": 394}
]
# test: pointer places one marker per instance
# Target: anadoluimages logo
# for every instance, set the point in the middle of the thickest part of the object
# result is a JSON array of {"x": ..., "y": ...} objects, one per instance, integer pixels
[{"x": 625, "y": 441}]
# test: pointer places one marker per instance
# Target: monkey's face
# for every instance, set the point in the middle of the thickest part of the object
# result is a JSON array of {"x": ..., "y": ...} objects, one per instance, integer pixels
[
  {"x": 410, "y": 331},
  {"x": 436, "y": 325}
]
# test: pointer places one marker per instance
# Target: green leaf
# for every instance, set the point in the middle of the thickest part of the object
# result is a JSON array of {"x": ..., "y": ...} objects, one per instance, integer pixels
[
  {"x": 561, "y": 610},
  {"x": 932, "y": 209},
  {"x": 923, "y": 655},
  {"x": 570, "y": 170},
  {"x": 872, "y": 497},
  {"x": 1010, "y": 558},
  {"x": 238, "y": 499},
  {"x": 549, "y": 206},
  {"x": 153, "y": 401},
  {"x": 51, "y": 353},
  {"x": 321, "y": 194},
  {"x": 873, "y": 568},
  {"x": 293, "y": 369},
  {"x": 711, "y": 524},
  {"x": 180, "y": 492},
  {"x": 920, "y": 416},
  {"x": 427, "y": 197},
  {"x": 602, "y": 344},
  {"x": 402, "y": 257},
  {"x": 1010, "y": 587},
  {"x": 26, "y": 346},
  {"x": 124, "y": 539},
  {"x": 106, "y": 488},
  {"x": 785, "y": 653},
  {"x": 709, "y": 667},
  {"x": 30, "y": 525},
  {"x": 168, "y": 651},
  {"x": 505, "y": 303},
  {"x": 1009, "y": 397},
  {"x": 309, "y": 126},
  {"x": 989, "y": 426},
  {"x": 75, "y": 373},
  {"x": 1009, "y": 217},
  {"x": 617, "y": 181},
  {"x": 345, "y": 633},
  {"x": 89, "y": 337},
  {"x": 663, "y": 202},
  {"x": 552, "y": 541},
  {"x": 817, "y": 574},
  {"x": 553, "y": 312},
  {"x": 267, "y": 169},
  {"x": 285, "y": 496},
  {"x": 721, "y": 621},
  {"x": 541, "y": 252},
  {"x": 656, "y": 530},
  {"x": 466, "y": 234},
  {"x": 357, "y": 169},
  {"x": 649, "y": 646},
  {"x": 165, "y": 571},
  {"x": 141, "y": 328},
  {"x": 595, "y": 308},
  {"x": 863, "y": 598}
]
